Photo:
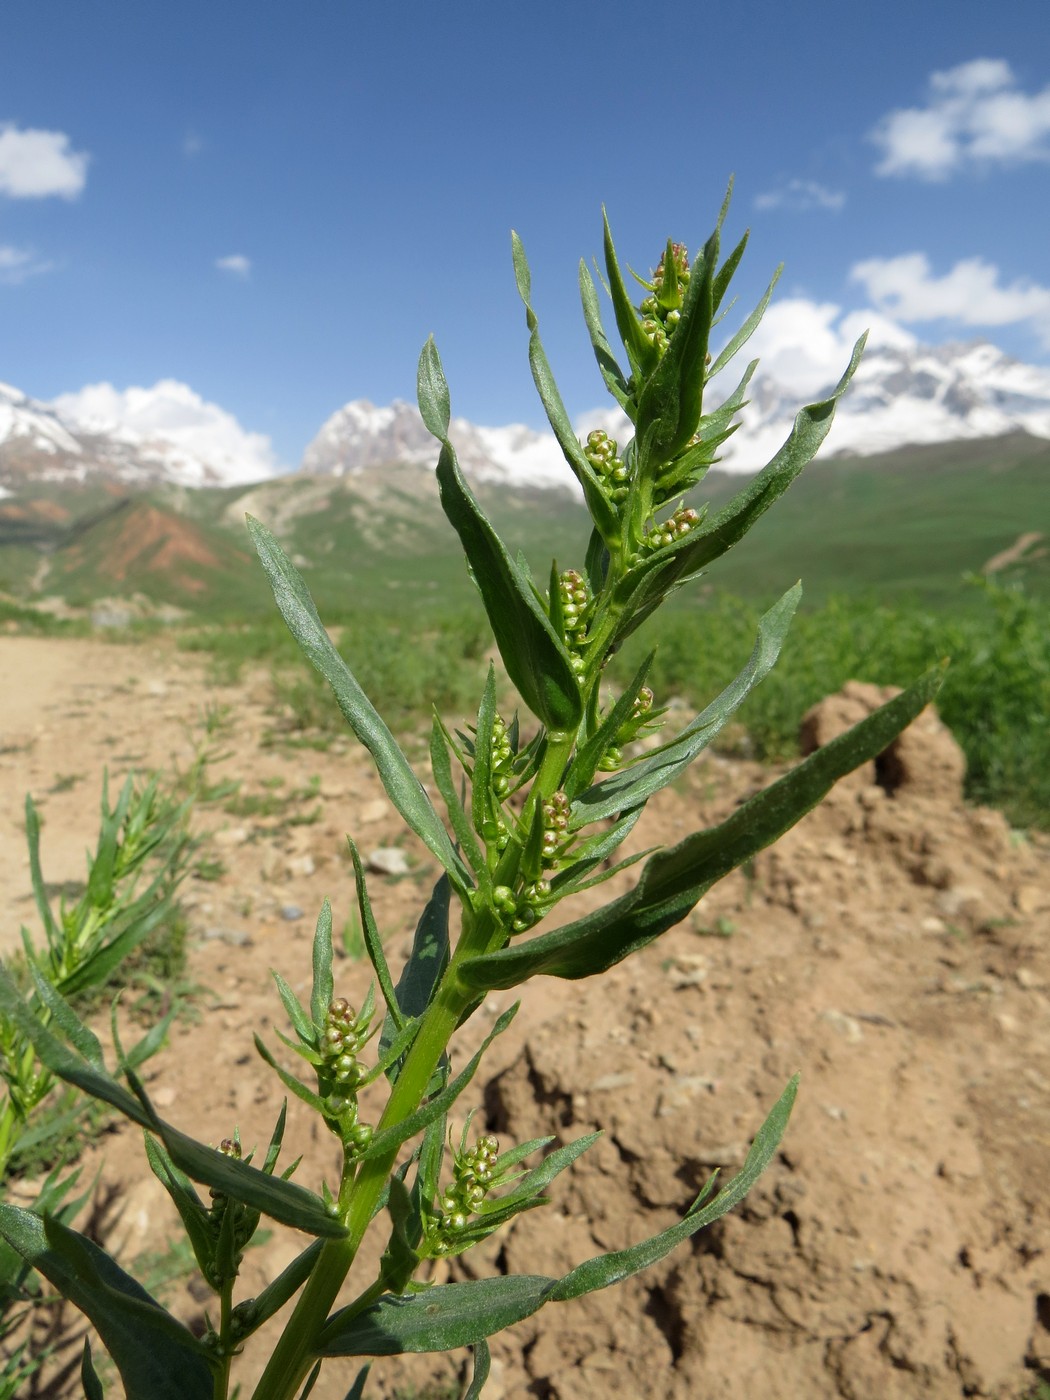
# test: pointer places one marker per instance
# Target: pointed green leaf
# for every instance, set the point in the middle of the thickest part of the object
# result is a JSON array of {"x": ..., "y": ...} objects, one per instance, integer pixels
[
  {"x": 189, "y": 1205},
  {"x": 439, "y": 1319},
  {"x": 284, "y": 1287},
  {"x": 36, "y": 874},
  {"x": 611, "y": 372},
  {"x": 724, "y": 275},
  {"x": 671, "y": 400},
  {"x": 441, "y": 767},
  {"x": 272, "y": 1196},
  {"x": 480, "y": 1374},
  {"x": 295, "y": 1086},
  {"x": 373, "y": 941},
  {"x": 626, "y": 789},
  {"x": 155, "y": 1355},
  {"x": 399, "y": 1259},
  {"x": 535, "y": 658},
  {"x": 323, "y": 985},
  {"x": 672, "y": 881},
  {"x": 424, "y": 968},
  {"x": 302, "y": 1024},
  {"x": 748, "y": 329},
  {"x": 403, "y": 787},
  {"x": 608, "y": 1269},
  {"x": 66, "y": 1020},
  {"x": 89, "y": 1376},
  {"x": 641, "y": 354}
]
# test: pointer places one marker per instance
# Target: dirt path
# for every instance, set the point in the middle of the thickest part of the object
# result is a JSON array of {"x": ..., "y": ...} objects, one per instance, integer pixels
[{"x": 894, "y": 948}]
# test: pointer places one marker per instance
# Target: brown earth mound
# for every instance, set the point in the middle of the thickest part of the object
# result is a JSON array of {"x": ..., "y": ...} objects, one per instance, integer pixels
[{"x": 893, "y": 948}]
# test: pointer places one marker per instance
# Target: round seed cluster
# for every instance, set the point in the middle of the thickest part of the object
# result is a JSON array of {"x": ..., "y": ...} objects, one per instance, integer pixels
[
  {"x": 343, "y": 1037},
  {"x": 574, "y": 597},
  {"x": 659, "y": 321},
  {"x": 502, "y": 758},
  {"x": 676, "y": 528},
  {"x": 471, "y": 1179},
  {"x": 555, "y": 826},
  {"x": 602, "y": 453}
]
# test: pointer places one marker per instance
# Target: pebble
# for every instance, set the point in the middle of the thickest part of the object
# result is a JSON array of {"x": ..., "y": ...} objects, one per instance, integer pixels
[
  {"x": 388, "y": 860},
  {"x": 301, "y": 865},
  {"x": 848, "y": 1026},
  {"x": 231, "y": 836},
  {"x": 235, "y": 937},
  {"x": 291, "y": 912}
]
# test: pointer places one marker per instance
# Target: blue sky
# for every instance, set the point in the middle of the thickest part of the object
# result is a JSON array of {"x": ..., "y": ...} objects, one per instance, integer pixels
[{"x": 276, "y": 203}]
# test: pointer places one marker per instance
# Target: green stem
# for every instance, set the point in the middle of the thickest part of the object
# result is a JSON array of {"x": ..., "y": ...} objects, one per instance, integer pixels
[
  {"x": 221, "y": 1388},
  {"x": 294, "y": 1353}
]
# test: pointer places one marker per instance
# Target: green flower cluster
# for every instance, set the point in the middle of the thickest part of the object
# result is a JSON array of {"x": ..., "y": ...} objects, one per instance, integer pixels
[
  {"x": 662, "y": 308},
  {"x": 603, "y": 454},
  {"x": 473, "y": 1174}
]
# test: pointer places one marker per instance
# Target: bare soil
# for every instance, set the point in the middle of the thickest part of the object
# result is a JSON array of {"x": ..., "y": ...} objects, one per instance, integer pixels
[{"x": 894, "y": 948}]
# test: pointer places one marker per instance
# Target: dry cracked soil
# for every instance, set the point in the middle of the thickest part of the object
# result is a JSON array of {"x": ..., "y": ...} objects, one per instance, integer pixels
[{"x": 893, "y": 948}]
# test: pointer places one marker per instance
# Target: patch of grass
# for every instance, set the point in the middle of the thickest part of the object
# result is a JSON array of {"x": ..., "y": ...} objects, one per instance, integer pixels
[{"x": 995, "y": 698}]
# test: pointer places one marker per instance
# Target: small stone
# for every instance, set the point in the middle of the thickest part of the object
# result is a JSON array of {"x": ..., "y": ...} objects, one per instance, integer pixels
[
  {"x": 1007, "y": 1024},
  {"x": 165, "y": 1096},
  {"x": 388, "y": 860},
  {"x": 1027, "y": 979},
  {"x": 235, "y": 937},
  {"x": 848, "y": 1026},
  {"x": 231, "y": 836},
  {"x": 933, "y": 925},
  {"x": 291, "y": 912},
  {"x": 371, "y": 812},
  {"x": 608, "y": 1082},
  {"x": 301, "y": 865}
]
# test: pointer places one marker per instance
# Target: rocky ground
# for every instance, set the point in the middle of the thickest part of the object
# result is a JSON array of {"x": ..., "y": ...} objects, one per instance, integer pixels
[{"x": 894, "y": 948}]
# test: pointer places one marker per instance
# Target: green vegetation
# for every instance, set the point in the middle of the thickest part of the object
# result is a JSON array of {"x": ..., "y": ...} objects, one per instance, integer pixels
[{"x": 995, "y": 697}]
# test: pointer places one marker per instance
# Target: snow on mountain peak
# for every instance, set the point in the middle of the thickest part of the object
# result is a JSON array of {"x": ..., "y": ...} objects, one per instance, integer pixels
[{"x": 191, "y": 441}]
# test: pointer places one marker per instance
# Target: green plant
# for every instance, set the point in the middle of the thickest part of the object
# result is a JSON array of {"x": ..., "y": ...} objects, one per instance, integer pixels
[{"x": 537, "y": 813}]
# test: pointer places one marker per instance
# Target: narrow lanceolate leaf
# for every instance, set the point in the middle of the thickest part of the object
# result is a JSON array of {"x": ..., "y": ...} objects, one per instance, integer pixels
[
  {"x": 276, "y": 1198},
  {"x": 323, "y": 985},
  {"x": 373, "y": 940},
  {"x": 464, "y": 1314},
  {"x": 155, "y": 1355},
  {"x": 482, "y": 1366},
  {"x": 626, "y": 789},
  {"x": 535, "y": 657},
  {"x": 671, "y": 400},
  {"x": 812, "y": 425},
  {"x": 611, "y": 372},
  {"x": 748, "y": 329},
  {"x": 641, "y": 353},
  {"x": 673, "y": 880},
  {"x": 402, "y": 786},
  {"x": 608, "y": 1269},
  {"x": 36, "y": 874},
  {"x": 441, "y": 767},
  {"x": 543, "y": 377}
]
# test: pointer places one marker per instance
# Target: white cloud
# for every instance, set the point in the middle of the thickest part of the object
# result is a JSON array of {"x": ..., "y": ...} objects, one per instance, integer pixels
[
  {"x": 199, "y": 437},
  {"x": 35, "y": 164},
  {"x": 801, "y": 195},
  {"x": 236, "y": 264},
  {"x": 805, "y": 345},
  {"x": 18, "y": 264},
  {"x": 971, "y": 293},
  {"x": 976, "y": 115}
]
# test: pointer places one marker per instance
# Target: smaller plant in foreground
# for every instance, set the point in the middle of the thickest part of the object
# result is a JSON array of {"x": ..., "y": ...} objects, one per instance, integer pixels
[{"x": 538, "y": 802}]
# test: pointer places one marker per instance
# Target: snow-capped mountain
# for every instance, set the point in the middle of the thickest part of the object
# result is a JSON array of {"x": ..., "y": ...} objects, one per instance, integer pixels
[
  {"x": 359, "y": 435},
  {"x": 136, "y": 437},
  {"x": 902, "y": 394}
]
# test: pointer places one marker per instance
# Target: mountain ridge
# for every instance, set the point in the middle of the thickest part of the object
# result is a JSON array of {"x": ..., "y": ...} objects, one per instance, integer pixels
[{"x": 903, "y": 395}]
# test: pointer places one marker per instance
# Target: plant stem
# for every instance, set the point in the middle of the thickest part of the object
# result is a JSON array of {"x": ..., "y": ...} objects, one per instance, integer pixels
[{"x": 294, "y": 1353}]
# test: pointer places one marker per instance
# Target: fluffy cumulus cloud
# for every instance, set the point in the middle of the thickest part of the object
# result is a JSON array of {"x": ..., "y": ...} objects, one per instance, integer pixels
[
  {"x": 801, "y": 195},
  {"x": 236, "y": 265},
  {"x": 975, "y": 115},
  {"x": 805, "y": 345},
  {"x": 18, "y": 264},
  {"x": 201, "y": 438},
  {"x": 35, "y": 164},
  {"x": 972, "y": 293}
]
